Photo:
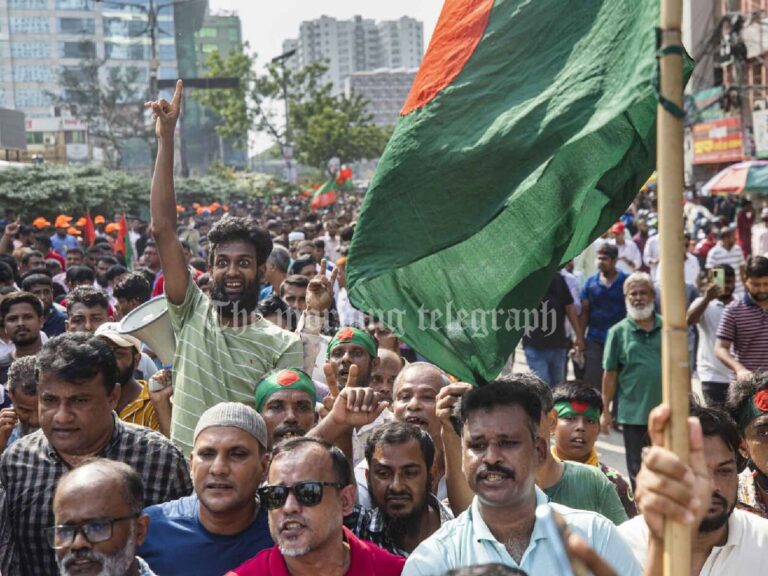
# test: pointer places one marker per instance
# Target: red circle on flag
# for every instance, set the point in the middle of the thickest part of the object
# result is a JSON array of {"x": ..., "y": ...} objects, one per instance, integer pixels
[
  {"x": 346, "y": 334},
  {"x": 287, "y": 377},
  {"x": 761, "y": 400},
  {"x": 579, "y": 406}
]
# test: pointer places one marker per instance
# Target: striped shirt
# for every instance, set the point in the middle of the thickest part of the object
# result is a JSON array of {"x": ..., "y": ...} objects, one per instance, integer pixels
[
  {"x": 733, "y": 257},
  {"x": 745, "y": 325},
  {"x": 215, "y": 363},
  {"x": 141, "y": 411},
  {"x": 30, "y": 469}
]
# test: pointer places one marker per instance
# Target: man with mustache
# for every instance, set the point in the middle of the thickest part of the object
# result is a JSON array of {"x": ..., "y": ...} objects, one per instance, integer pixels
[
  {"x": 99, "y": 523},
  {"x": 308, "y": 492},
  {"x": 400, "y": 458},
  {"x": 22, "y": 316},
  {"x": 501, "y": 449},
  {"x": 632, "y": 363},
  {"x": 742, "y": 340},
  {"x": 286, "y": 401},
  {"x": 223, "y": 523},
  {"x": 223, "y": 345},
  {"x": 702, "y": 494}
]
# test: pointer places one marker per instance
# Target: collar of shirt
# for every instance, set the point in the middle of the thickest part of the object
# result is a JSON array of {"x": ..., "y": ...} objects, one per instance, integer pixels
[
  {"x": 482, "y": 532},
  {"x": 117, "y": 429},
  {"x": 749, "y": 301},
  {"x": 138, "y": 402}
]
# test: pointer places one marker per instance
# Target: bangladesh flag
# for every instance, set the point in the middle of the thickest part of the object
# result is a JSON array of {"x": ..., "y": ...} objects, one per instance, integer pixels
[
  {"x": 528, "y": 130},
  {"x": 324, "y": 196},
  {"x": 123, "y": 242}
]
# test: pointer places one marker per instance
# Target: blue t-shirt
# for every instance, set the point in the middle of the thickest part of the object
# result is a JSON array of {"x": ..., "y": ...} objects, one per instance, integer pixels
[
  {"x": 606, "y": 305},
  {"x": 61, "y": 245},
  {"x": 178, "y": 543},
  {"x": 55, "y": 324}
]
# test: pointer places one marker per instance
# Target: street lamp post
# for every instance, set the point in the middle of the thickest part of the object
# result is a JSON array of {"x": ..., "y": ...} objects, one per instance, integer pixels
[{"x": 286, "y": 147}]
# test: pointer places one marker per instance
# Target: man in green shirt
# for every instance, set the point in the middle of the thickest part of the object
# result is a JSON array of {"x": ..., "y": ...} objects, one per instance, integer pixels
[
  {"x": 570, "y": 483},
  {"x": 632, "y": 364},
  {"x": 223, "y": 345}
]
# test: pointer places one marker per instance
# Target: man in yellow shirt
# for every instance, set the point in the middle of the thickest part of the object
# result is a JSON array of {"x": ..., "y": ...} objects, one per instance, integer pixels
[{"x": 134, "y": 405}]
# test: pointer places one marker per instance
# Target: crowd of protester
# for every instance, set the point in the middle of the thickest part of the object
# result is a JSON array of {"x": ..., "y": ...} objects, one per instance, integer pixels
[{"x": 294, "y": 434}]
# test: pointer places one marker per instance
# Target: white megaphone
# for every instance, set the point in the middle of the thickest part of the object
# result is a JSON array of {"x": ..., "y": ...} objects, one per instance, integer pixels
[{"x": 151, "y": 324}]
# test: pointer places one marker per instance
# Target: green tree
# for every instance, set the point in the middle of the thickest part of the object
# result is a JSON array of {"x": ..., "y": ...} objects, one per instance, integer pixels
[
  {"x": 110, "y": 101},
  {"x": 321, "y": 125}
]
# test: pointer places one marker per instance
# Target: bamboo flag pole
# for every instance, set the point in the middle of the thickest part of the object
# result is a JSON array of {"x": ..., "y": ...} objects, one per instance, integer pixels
[{"x": 674, "y": 354}]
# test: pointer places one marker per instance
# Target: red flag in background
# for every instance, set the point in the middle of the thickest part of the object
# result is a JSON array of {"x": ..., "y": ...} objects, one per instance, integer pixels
[
  {"x": 121, "y": 235},
  {"x": 89, "y": 233}
]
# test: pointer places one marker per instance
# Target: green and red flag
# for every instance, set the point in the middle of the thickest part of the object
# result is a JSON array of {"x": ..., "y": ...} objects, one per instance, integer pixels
[
  {"x": 529, "y": 129},
  {"x": 344, "y": 179},
  {"x": 324, "y": 196}
]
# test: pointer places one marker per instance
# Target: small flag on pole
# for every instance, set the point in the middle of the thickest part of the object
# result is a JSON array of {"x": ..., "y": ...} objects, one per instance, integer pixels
[
  {"x": 89, "y": 233},
  {"x": 324, "y": 196}
]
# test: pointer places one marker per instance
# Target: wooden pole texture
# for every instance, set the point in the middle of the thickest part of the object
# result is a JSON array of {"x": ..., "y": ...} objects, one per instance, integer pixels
[{"x": 674, "y": 355}]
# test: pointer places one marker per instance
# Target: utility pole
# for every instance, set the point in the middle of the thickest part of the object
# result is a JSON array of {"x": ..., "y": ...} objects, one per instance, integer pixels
[{"x": 286, "y": 145}]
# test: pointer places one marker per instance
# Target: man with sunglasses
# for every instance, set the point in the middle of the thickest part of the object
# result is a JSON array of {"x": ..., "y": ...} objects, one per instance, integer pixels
[
  {"x": 99, "y": 523},
  {"x": 222, "y": 524},
  {"x": 309, "y": 490}
]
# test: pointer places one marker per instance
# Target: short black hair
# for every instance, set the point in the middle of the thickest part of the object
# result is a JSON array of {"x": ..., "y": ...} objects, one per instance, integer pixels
[
  {"x": 111, "y": 260},
  {"x": 577, "y": 392},
  {"x": 294, "y": 280},
  {"x": 727, "y": 270},
  {"x": 133, "y": 287},
  {"x": 198, "y": 264},
  {"x": 80, "y": 274},
  {"x": 6, "y": 272},
  {"x": 399, "y": 433},
  {"x": 21, "y": 376},
  {"x": 44, "y": 240},
  {"x": 717, "y": 422},
  {"x": 75, "y": 250},
  {"x": 515, "y": 390},
  {"x": 543, "y": 391},
  {"x": 78, "y": 356},
  {"x": 131, "y": 480},
  {"x": 31, "y": 280},
  {"x": 276, "y": 305},
  {"x": 235, "y": 228},
  {"x": 26, "y": 257},
  {"x": 20, "y": 298},
  {"x": 339, "y": 462},
  {"x": 114, "y": 271},
  {"x": 300, "y": 263},
  {"x": 89, "y": 296},
  {"x": 757, "y": 267},
  {"x": 608, "y": 249}
]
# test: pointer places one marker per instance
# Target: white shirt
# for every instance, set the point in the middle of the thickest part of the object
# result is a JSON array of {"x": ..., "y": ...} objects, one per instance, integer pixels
[
  {"x": 628, "y": 250},
  {"x": 710, "y": 369},
  {"x": 743, "y": 553},
  {"x": 733, "y": 257},
  {"x": 651, "y": 252}
]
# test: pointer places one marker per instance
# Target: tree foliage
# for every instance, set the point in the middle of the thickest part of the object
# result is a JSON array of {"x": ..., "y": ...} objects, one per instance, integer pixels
[
  {"x": 110, "y": 101},
  {"x": 321, "y": 125}
]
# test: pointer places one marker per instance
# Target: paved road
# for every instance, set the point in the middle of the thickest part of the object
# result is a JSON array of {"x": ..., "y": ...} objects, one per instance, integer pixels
[{"x": 610, "y": 447}]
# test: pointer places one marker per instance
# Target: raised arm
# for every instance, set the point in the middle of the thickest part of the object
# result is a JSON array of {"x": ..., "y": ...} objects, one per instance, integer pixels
[{"x": 163, "y": 198}]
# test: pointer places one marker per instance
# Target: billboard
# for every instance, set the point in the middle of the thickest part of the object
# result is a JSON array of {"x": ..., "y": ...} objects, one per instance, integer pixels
[
  {"x": 13, "y": 133},
  {"x": 718, "y": 141}
]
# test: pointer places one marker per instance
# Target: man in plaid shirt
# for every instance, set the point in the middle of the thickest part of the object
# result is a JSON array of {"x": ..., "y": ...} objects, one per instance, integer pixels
[{"x": 77, "y": 374}]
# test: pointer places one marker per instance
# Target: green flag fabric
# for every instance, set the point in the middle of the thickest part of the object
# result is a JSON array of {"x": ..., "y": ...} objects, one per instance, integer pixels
[
  {"x": 324, "y": 196},
  {"x": 529, "y": 129}
]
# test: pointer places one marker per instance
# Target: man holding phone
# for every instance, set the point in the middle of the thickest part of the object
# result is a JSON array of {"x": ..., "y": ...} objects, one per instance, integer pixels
[{"x": 705, "y": 313}]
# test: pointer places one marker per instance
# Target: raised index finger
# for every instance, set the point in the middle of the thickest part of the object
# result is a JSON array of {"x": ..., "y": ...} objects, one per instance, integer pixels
[{"x": 176, "y": 100}]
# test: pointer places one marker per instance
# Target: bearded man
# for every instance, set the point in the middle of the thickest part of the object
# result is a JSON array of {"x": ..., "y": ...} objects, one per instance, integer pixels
[{"x": 632, "y": 365}]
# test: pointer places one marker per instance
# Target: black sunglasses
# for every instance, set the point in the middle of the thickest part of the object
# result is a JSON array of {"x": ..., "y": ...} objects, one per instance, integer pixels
[{"x": 309, "y": 493}]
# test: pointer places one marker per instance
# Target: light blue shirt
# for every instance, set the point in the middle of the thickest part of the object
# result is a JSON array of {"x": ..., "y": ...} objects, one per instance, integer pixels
[{"x": 467, "y": 541}]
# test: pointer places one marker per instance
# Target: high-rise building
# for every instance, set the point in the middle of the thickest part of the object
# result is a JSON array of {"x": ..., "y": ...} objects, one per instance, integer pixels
[
  {"x": 402, "y": 43},
  {"x": 385, "y": 90},
  {"x": 40, "y": 38},
  {"x": 356, "y": 45},
  {"x": 201, "y": 144}
]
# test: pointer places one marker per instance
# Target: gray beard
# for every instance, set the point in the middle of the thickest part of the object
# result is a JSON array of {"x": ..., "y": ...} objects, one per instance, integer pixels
[{"x": 115, "y": 565}]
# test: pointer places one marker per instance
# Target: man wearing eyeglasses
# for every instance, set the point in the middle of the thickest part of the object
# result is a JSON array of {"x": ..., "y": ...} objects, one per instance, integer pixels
[
  {"x": 309, "y": 490},
  {"x": 99, "y": 524}
]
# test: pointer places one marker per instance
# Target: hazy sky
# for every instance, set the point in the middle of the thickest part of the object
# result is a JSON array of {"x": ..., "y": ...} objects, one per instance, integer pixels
[{"x": 266, "y": 23}]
